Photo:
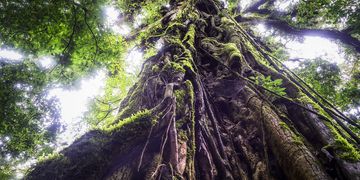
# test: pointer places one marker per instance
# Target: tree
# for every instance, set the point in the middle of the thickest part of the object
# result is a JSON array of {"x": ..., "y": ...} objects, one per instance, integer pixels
[
  {"x": 212, "y": 104},
  {"x": 23, "y": 101}
]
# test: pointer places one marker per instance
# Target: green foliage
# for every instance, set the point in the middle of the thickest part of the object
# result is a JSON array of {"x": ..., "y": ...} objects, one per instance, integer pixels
[
  {"x": 148, "y": 10},
  {"x": 24, "y": 107},
  {"x": 322, "y": 75},
  {"x": 28, "y": 118},
  {"x": 70, "y": 31},
  {"x": 273, "y": 85},
  {"x": 104, "y": 108},
  {"x": 327, "y": 79},
  {"x": 233, "y": 5},
  {"x": 316, "y": 13}
]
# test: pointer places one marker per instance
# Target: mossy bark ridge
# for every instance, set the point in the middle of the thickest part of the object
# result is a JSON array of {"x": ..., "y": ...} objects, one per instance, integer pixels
[{"x": 198, "y": 112}]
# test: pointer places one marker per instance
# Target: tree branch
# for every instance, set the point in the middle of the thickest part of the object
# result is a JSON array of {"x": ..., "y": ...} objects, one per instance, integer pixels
[{"x": 286, "y": 27}]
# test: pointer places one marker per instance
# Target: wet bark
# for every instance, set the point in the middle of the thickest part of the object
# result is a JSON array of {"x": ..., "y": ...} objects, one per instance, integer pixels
[{"x": 197, "y": 113}]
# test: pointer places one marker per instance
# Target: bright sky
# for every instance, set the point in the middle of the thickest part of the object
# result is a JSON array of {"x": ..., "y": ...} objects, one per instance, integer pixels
[
  {"x": 11, "y": 55},
  {"x": 114, "y": 21},
  {"x": 74, "y": 103},
  {"x": 245, "y": 3},
  {"x": 310, "y": 48},
  {"x": 284, "y": 5},
  {"x": 133, "y": 61},
  {"x": 46, "y": 62}
]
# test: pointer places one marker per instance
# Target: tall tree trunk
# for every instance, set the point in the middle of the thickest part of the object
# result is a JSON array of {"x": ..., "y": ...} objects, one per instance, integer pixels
[{"x": 201, "y": 111}]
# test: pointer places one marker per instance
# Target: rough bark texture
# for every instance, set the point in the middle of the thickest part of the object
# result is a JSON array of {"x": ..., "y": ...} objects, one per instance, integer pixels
[{"x": 197, "y": 113}]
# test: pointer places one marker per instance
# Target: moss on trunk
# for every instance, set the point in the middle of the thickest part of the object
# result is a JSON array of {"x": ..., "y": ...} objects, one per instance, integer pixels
[{"x": 196, "y": 113}]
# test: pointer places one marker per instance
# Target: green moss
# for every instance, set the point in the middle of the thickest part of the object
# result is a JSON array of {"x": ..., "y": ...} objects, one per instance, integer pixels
[
  {"x": 173, "y": 66},
  {"x": 233, "y": 50},
  {"x": 182, "y": 135},
  {"x": 152, "y": 51},
  {"x": 154, "y": 120},
  {"x": 189, "y": 37},
  {"x": 254, "y": 52},
  {"x": 132, "y": 104},
  {"x": 180, "y": 95},
  {"x": 284, "y": 125},
  {"x": 305, "y": 99},
  {"x": 297, "y": 140},
  {"x": 138, "y": 117},
  {"x": 229, "y": 49},
  {"x": 175, "y": 41},
  {"x": 52, "y": 156},
  {"x": 227, "y": 22},
  {"x": 150, "y": 31},
  {"x": 155, "y": 68},
  {"x": 193, "y": 15},
  {"x": 181, "y": 122},
  {"x": 190, "y": 90},
  {"x": 186, "y": 59},
  {"x": 348, "y": 150},
  {"x": 345, "y": 150},
  {"x": 180, "y": 99}
]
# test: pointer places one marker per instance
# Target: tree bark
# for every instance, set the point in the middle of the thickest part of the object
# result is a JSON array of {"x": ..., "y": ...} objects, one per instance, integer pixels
[{"x": 197, "y": 113}]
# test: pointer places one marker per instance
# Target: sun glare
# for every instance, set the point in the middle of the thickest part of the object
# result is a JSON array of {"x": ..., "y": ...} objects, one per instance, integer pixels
[
  {"x": 285, "y": 5},
  {"x": 112, "y": 14},
  {"x": 133, "y": 61},
  {"x": 316, "y": 47},
  {"x": 121, "y": 29},
  {"x": 245, "y": 4},
  {"x": 73, "y": 104},
  {"x": 113, "y": 21},
  {"x": 311, "y": 47},
  {"x": 261, "y": 28},
  {"x": 159, "y": 44},
  {"x": 139, "y": 19},
  {"x": 46, "y": 62},
  {"x": 9, "y": 54}
]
